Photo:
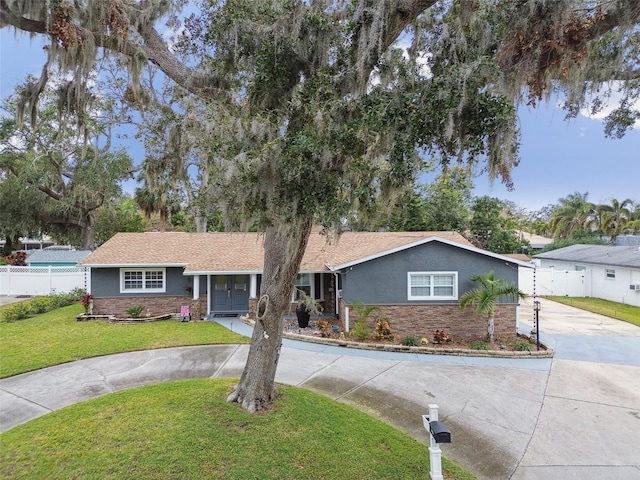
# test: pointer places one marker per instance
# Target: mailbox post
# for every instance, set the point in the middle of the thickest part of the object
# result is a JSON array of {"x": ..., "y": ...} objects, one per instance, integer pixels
[{"x": 438, "y": 434}]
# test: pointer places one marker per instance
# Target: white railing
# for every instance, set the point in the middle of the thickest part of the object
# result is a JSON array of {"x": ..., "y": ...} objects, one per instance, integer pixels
[{"x": 43, "y": 280}]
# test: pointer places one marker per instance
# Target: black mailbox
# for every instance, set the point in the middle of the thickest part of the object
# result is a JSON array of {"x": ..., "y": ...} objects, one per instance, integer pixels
[{"x": 439, "y": 432}]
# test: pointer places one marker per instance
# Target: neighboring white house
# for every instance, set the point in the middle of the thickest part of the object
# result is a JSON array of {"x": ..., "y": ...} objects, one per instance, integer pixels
[
  {"x": 601, "y": 271},
  {"x": 537, "y": 242}
]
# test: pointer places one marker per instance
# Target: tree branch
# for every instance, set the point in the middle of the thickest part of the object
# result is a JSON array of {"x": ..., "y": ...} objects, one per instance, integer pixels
[
  {"x": 153, "y": 48},
  {"x": 626, "y": 13},
  {"x": 7, "y": 17},
  {"x": 405, "y": 12}
]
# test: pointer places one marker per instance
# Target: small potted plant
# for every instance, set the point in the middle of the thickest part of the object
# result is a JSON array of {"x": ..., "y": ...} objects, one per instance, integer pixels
[{"x": 307, "y": 306}]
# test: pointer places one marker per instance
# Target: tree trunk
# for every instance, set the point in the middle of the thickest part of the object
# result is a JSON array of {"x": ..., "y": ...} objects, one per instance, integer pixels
[
  {"x": 284, "y": 247},
  {"x": 490, "y": 328},
  {"x": 10, "y": 241},
  {"x": 201, "y": 223},
  {"x": 89, "y": 230}
]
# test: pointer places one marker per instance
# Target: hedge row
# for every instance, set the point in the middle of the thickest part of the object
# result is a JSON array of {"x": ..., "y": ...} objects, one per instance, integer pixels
[{"x": 38, "y": 305}]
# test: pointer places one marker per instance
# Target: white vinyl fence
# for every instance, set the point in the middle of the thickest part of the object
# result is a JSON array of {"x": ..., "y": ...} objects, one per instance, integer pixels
[
  {"x": 42, "y": 280},
  {"x": 551, "y": 281}
]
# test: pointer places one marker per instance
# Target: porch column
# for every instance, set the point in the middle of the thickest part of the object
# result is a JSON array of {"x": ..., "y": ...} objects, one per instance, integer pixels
[
  {"x": 208, "y": 294},
  {"x": 196, "y": 287},
  {"x": 253, "y": 285}
]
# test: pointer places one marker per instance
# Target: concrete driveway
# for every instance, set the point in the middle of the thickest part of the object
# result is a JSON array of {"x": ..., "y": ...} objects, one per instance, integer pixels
[
  {"x": 589, "y": 423},
  {"x": 510, "y": 418},
  {"x": 9, "y": 299}
]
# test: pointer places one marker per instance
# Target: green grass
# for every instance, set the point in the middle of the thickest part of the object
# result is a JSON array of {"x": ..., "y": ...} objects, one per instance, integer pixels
[
  {"x": 619, "y": 311},
  {"x": 57, "y": 337},
  {"x": 186, "y": 429}
]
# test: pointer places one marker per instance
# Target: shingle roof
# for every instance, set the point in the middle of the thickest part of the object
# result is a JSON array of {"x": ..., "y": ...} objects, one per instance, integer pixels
[
  {"x": 536, "y": 241},
  {"x": 57, "y": 256},
  {"x": 626, "y": 256},
  {"x": 243, "y": 252}
]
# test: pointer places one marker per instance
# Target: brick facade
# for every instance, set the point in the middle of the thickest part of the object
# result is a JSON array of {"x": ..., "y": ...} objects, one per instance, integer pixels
[
  {"x": 422, "y": 320},
  {"x": 154, "y": 305}
]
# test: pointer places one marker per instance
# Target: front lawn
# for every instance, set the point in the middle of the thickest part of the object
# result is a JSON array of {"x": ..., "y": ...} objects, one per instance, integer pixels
[
  {"x": 57, "y": 337},
  {"x": 187, "y": 430},
  {"x": 619, "y": 311}
]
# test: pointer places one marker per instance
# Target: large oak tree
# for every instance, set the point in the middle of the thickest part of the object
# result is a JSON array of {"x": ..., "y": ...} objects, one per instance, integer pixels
[
  {"x": 67, "y": 169},
  {"x": 327, "y": 104}
]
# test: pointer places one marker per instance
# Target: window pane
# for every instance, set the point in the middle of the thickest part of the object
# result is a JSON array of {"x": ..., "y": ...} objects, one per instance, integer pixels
[
  {"x": 221, "y": 284},
  {"x": 154, "y": 279},
  {"x": 132, "y": 280},
  {"x": 443, "y": 291},
  {"x": 420, "y": 280},
  {"x": 443, "y": 280},
  {"x": 421, "y": 291}
]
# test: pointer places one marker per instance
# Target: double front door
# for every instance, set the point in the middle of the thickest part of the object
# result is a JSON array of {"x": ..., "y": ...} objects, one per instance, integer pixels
[{"x": 230, "y": 293}]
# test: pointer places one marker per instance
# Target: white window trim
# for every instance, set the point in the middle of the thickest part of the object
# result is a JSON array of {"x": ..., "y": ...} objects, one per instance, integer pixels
[
  {"x": 143, "y": 290},
  {"x": 432, "y": 297},
  {"x": 312, "y": 285},
  {"x": 606, "y": 273}
]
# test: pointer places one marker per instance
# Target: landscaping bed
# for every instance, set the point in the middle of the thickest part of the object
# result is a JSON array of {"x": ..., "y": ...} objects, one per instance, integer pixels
[
  {"x": 504, "y": 346},
  {"x": 83, "y": 317}
]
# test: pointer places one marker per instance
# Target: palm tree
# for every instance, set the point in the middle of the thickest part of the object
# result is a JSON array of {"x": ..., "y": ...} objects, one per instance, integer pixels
[
  {"x": 616, "y": 216},
  {"x": 487, "y": 295},
  {"x": 633, "y": 226},
  {"x": 571, "y": 214},
  {"x": 595, "y": 221}
]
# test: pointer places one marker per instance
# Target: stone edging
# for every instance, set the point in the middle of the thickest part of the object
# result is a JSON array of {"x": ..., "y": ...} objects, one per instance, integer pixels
[
  {"x": 83, "y": 317},
  {"x": 544, "y": 352}
]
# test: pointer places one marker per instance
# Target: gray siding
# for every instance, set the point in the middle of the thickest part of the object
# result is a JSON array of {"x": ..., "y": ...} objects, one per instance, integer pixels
[
  {"x": 105, "y": 282},
  {"x": 384, "y": 280}
]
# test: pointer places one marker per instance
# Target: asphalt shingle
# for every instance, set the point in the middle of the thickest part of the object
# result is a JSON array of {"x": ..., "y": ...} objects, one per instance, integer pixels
[
  {"x": 625, "y": 256},
  {"x": 243, "y": 252}
]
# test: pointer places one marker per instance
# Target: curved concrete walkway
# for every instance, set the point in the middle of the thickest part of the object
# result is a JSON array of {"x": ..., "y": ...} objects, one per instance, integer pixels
[{"x": 574, "y": 417}]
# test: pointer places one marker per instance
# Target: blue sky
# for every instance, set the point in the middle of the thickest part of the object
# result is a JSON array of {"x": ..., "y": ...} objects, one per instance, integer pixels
[{"x": 557, "y": 157}]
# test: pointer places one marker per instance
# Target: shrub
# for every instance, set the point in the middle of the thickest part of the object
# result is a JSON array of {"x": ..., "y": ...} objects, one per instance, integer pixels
[
  {"x": 17, "y": 259},
  {"x": 16, "y": 311},
  {"x": 522, "y": 347},
  {"x": 410, "y": 341},
  {"x": 85, "y": 300},
  {"x": 37, "y": 305},
  {"x": 324, "y": 327},
  {"x": 60, "y": 300},
  {"x": 135, "y": 311},
  {"x": 363, "y": 312},
  {"x": 78, "y": 292},
  {"x": 360, "y": 330},
  {"x": 383, "y": 330},
  {"x": 40, "y": 305},
  {"x": 440, "y": 336},
  {"x": 479, "y": 346}
]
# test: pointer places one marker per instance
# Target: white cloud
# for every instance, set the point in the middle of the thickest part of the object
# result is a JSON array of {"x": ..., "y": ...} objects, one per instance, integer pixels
[
  {"x": 611, "y": 97},
  {"x": 173, "y": 35}
]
